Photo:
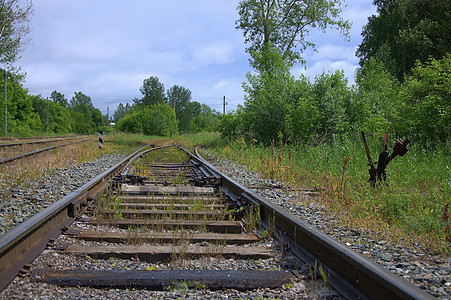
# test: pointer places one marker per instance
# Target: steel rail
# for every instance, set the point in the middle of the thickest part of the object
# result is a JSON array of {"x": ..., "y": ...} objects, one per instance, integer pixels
[
  {"x": 351, "y": 274},
  {"x": 23, "y": 155},
  {"x": 20, "y": 245},
  {"x": 39, "y": 142}
]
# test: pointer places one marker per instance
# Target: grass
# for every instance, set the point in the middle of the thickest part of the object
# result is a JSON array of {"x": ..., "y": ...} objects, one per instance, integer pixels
[{"x": 410, "y": 208}]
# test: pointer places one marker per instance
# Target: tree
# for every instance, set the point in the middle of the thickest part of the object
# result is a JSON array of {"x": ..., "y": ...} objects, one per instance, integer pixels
[
  {"x": 59, "y": 99},
  {"x": 285, "y": 24},
  {"x": 405, "y": 31},
  {"x": 427, "y": 98},
  {"x": 87, "y": 118},
  {"x": 266, "y": 99},
  {"x": 153, "y": 92},
  {"x": 158, "y": 119},
  {"x": 14, "y": 27},
  {"x": 81, "y": 103},
  {"x": 59, "y": 116},
  {"x": 121, "y": 111},
  {"x": 180, "y": 97}
]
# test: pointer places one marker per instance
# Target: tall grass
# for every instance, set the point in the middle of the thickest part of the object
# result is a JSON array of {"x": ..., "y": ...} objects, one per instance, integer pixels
[{"x": 410, "y": 205}]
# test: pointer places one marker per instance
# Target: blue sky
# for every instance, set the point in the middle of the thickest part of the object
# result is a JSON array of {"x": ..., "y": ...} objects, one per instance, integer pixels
[{"x": 106, "y": 48}]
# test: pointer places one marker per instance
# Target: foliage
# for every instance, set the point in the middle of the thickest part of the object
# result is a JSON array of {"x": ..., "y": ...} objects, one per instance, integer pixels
[
  {"x": 14, "y": 24},
  {"x": 21, "y": 118},
  {"x": 152, "y": 91},
  {"x": 191, "y": 116},
  {"x": 121, "y": 111},
  {"x": 427, "y": 99},
  {"x": 87, "y": 118},
  {"x": 180, "y": 98},
  {"x": 286, "y": 24},
  {"x": 205, "y": 119},
  {"x": 158, "y": 119},
  {"x": 230, "y": 125},
  {"x": 376, "y": 108},
  {"x": 58, "y": 116},
  {"x": 331, "y": 93},
  {"x": 59, "y": 98},
  {"x": 267, "y": 94},
  {"x": 405, "y": 31}
]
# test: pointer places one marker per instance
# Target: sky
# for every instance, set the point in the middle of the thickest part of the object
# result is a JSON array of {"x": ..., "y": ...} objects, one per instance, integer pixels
[{"x": 106, "y": 48}]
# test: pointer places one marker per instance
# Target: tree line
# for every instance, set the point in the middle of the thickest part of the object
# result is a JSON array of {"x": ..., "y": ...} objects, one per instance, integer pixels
[
  {"x": 153, "y": 114},
  {"x": 401, "y": 87},
  {"x": 29, "y": 115},
  {"x": 165, "y": 112}
]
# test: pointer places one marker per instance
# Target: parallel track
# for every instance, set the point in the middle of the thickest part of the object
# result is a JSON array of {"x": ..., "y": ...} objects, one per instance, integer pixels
[
  {"x": 351, "y": 274},
  {"x": 31, "y": 153}
]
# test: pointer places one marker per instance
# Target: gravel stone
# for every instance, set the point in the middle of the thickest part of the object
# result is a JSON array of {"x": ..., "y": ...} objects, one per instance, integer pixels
[
  {"x": 429, "y": 272},
  {"x": 22, "y": 203}
]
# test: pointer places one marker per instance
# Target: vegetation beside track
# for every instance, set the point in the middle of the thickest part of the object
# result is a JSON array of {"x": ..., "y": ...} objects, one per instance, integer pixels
[{"x": 411, "y": 208}]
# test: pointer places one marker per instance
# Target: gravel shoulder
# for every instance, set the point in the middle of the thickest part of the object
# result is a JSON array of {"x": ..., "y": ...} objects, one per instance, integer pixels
[{"x": 429, "y": 272}]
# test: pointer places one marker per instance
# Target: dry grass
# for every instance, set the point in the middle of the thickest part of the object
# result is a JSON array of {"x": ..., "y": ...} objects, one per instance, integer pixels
[
  {"x": 411, "y": 210},
  {"x": 37, "y": 166}
]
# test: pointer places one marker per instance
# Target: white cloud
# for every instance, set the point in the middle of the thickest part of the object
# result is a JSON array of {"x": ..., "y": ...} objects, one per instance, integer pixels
[{"x": 220, "y": 52}]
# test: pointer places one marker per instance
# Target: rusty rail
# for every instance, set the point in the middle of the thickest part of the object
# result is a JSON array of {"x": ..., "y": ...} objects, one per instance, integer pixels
[
  {"x": 351, "y": 274},
  {"x": 22, "y": 244},
  {"x": 23, "y": 155}
]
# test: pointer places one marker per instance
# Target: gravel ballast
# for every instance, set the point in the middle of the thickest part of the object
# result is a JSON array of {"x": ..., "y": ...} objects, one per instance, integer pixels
[
  {"x": 432, "y": 273},
  {"x": 19, "y": 203}
]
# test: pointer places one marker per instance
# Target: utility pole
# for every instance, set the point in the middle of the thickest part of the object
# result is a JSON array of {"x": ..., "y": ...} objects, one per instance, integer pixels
[
  {"x": 6, "y": 110},
  {"x": 47, "y": 116},
  {"x": 224, "y": 106}
]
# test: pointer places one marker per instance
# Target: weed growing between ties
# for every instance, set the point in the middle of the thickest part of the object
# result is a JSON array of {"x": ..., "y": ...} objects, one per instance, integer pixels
[{"x": 407, "y": 208}]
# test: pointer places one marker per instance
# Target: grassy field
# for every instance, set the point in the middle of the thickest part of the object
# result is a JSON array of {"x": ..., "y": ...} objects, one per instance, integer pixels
[{"x": 412, "y": 207}]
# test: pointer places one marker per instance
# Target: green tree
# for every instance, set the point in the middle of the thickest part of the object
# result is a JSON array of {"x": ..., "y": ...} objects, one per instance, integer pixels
[
  {"x": 285, "y": 24},
  {"x": 121, "y": 111},
  {"x": 22, "y": 120},
  {"x": 158, "y": 119},
  {"x": 427, "y": 99},
  {"x": 376, "y": 108},
  {"x": 81, "y": 103},
  {"x": 266, "y": 98},
  {"x": 205, "y": 119},
  {"x": 331, "y": 92},
  {"x": 405, "y": 31},
  {"x": 152, "y": 91},
  {"x": 180, "y": 97},
  {"x": 58, "y": 116},
  {"x": 14, "y": 27},
  {"x": 59, "y": 98},
  {"x": 87, "y": 118}
]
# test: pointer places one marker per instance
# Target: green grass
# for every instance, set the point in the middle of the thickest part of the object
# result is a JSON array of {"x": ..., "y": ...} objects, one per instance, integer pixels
[{"x": 409, "y": 208}]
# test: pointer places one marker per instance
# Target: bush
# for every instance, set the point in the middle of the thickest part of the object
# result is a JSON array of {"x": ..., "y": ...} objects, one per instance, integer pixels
[{"x": 158, "y": 119}]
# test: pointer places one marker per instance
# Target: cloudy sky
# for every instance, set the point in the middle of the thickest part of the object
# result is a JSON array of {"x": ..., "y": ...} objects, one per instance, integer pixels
[{"x": 106, "y": 48}]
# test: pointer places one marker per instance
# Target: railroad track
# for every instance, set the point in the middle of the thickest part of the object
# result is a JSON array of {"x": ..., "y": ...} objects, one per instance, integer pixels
[
  {"x": 23, "y": 149},
  {"x": 167, "y": 205}
]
